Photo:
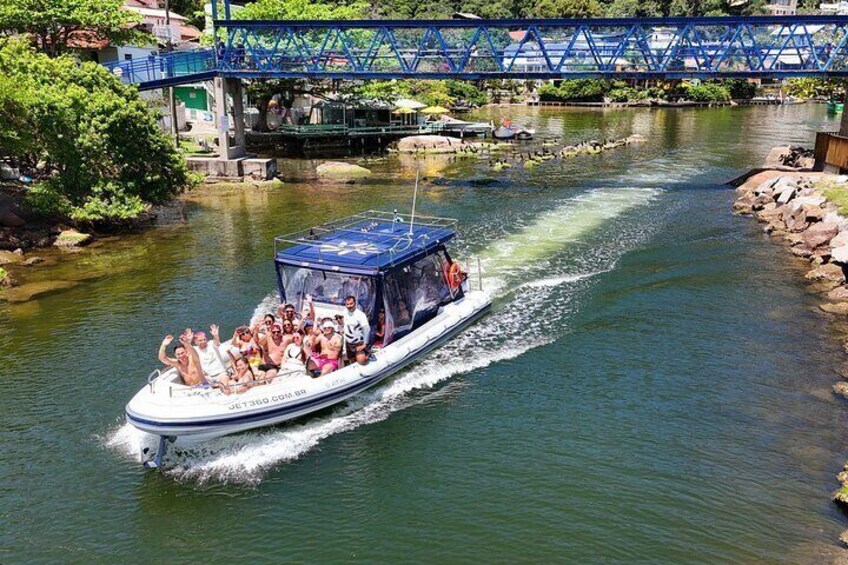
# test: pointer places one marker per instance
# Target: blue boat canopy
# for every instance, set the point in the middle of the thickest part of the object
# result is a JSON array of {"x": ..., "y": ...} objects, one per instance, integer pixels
[{"x": 367, "y": 244}]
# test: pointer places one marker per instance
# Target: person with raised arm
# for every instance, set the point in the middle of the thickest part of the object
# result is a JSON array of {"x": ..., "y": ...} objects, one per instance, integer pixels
[{"x": 187, "y": 362}]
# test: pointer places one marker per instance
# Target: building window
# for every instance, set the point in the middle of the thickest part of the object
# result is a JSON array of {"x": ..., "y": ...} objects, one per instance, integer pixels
[{"x": 127, "y": 56}]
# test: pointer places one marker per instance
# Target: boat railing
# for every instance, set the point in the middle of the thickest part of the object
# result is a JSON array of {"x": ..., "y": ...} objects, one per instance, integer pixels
[
  {"x": 152, "y": 377},
  {"x": 474, "y": 269},
  {"x": 359, "y": 223},
  {"x": 183, "y": 390}
]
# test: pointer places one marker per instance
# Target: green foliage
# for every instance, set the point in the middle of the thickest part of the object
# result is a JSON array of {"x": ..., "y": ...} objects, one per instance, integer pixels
[
  {"x": 53, "y": 23},
  {"x": 567, "y": 9},
  {"x": 706, "y": 92},
  {"x": 740, "y": 89},
  {"x": 577, "y": 90},
  {"x": 815, "y": 88},
  {"x": 96, "y": 144},
  {"x": 466, "y": 91},
  {"x": 301, "y": 10}
]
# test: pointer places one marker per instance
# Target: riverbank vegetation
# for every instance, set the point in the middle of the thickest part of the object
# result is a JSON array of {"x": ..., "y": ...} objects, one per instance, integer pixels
[
  {"x": 598, "y": 90},
  {"x": 88, "y": 147},
  {"x": 91, "y": 146}
]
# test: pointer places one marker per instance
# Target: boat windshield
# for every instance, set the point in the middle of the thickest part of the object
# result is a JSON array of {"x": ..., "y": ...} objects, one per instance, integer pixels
[{"x": 327, "y": 287}]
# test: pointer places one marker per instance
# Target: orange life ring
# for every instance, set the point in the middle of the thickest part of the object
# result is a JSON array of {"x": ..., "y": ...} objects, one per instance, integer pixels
[{"x": 453, "y": 275}]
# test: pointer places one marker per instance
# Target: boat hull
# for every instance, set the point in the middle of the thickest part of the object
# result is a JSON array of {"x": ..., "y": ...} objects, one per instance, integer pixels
[{"x": 237, "y": 414}]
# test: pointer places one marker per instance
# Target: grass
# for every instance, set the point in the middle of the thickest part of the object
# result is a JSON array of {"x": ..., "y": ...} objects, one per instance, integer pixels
[
  {"x": 190, "y": 147},
  {"x": 836, "y": 193}
]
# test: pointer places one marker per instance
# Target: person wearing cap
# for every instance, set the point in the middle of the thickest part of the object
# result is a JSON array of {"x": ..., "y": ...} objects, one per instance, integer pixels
[
  {"x": 357, "y": 330},
  {"x": 329, "y": 348}
]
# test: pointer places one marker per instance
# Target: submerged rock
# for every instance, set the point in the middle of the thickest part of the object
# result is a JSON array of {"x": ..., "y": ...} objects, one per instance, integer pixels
[
  {"x": 430, "y": 144},
  {"x": 10, "y": 257},
  {"x": 838, "y": 293},
  {"x": 5, "y": 278},
  {"x": 841, "y": 388},
  {"x": 71, "y": 238},
  {"x": 838, "y": 308},
  {"x": 32, "y": 290},
  {"x": 338, "y": 169}
]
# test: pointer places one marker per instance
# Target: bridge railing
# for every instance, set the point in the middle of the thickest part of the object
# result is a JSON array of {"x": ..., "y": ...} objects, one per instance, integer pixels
[
  {"x": 169, "y": 67},
  {"x": 754, "y": 46}
]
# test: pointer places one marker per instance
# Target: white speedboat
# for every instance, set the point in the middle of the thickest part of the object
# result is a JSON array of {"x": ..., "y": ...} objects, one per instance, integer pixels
[{"x": 384, "y": 260}]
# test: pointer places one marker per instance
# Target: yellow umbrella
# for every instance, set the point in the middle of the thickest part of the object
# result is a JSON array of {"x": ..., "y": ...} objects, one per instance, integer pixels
[
  {"x": 403, "y": 110},
  {"x": 434, "y": 110}
]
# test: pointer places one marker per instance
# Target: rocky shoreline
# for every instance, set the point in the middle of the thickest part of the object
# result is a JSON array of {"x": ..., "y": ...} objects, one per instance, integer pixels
[{"x": 808, "y": 211}]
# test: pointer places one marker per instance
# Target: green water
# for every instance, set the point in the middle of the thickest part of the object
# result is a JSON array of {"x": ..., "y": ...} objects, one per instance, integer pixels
[{"x": 652, "y": 385}]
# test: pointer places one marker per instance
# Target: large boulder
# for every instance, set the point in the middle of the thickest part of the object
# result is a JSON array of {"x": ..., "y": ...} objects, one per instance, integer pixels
[
  {"x": 839, "y": 293},
  {"x": 819, "y": 234},
  {"x": 430, "y": 144},
  {"x": 745, "y": 204},
  {"x": 829, "y": 272},
  {"x": 340, "y": 170}
]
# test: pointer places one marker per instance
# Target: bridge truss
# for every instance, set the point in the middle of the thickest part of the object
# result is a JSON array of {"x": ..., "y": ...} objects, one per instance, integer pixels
[{"x": 761, "y": 47}]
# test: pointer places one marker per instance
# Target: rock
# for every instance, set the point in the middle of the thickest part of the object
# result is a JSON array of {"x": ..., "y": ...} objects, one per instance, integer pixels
[
  {"x": 793, "y": 238},
  {"x": 32, "y": 290},
  {"x": 819, "y": 234},
  {"x": 337, "y": 169},
  {"x": 9, "y": 173},
  {"x": 843, "y": 537},
  {"x": 840, "y": 254},
  {"x": 761, "y": 201},
  {"x": 10, "y": 258},
  {"x": 786, "y": 195},
  {"x": 5, "y": 278},
  {"x": 430, "y": 144},
  {"x": 841, "y": 388},
  {"x": 814, "y": 214},
  {"x": 773, "y": 216},
  {"x": 744, "y": 205},
  {"x": 71, "y": 238},
  {"x": 840, "y": 239},
  {"x": 635, "y": 138},
  {"x": 33, "y": 261},
  {"x": 817, "y": 201},
  {"x": 775, "y": 157},
  {"x": 11, "y": 220},
  {"x": 839, "y": 293},
  {"x": 838, "y": 308},
  {"x": 796, "y": 222},
  {"x": 801, "y": 250},
  {"x": 829, "y": 272}
]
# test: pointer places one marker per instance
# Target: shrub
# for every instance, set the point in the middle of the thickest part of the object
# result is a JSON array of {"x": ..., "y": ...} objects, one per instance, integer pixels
[{"x": 98, "y": 146}]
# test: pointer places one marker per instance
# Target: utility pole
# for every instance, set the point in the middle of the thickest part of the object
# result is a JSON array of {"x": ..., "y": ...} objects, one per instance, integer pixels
[{"x": 172, "y": 103}]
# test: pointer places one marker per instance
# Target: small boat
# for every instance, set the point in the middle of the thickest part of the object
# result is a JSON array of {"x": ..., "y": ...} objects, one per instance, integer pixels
[
  {"x": 835, "y": 107},
  {"x": 508, "y": 131},
  {"x": 391, "y": 262},
  {"x": 462, "y": 127}
]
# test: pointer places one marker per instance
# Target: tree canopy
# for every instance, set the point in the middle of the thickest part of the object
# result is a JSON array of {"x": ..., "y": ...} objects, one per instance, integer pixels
[
  {"x": 54, "y": 24},
  {"x": 92, "y": 145}
]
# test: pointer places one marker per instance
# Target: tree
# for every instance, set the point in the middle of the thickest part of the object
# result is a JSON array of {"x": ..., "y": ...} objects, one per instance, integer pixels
[
  {"x": 53, "y": 24},
  {"x": 635, "y": 9},
  {"x": 567, "y": 9},
  {"x": 261, "y": 91},
  {"x": 93, "y": 147}
]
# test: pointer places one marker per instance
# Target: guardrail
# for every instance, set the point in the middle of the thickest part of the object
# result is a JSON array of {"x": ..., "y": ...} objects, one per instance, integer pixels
[{"x": 160, "y": 70}]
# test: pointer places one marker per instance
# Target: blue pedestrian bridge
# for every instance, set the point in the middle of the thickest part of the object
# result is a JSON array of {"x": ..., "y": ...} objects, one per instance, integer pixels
[{"x": 630, "y": 48}]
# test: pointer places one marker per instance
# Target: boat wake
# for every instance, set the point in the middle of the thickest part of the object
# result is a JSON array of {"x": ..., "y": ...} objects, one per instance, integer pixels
[{"x": 532, "y": 308}]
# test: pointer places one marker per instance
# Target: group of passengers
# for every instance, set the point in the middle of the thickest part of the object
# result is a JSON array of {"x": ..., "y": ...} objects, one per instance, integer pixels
[{"x": 287, "y": 343}]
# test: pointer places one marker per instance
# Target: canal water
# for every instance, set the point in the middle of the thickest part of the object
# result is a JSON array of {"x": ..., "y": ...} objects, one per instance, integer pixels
[{"x": 652, "y": 384}]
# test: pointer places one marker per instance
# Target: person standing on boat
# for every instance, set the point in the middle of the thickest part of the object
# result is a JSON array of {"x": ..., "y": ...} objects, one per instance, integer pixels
[
  {"x": 187, "y": 362},
  {"x": 357, "y": 330}
]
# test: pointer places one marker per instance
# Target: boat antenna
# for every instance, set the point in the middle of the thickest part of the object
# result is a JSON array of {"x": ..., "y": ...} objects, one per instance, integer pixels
[{"x": 414, "y": 198}]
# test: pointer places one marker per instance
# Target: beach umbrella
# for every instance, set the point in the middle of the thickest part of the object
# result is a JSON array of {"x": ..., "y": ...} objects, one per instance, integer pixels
[
  {"x": 403, "y": 110},
  {"x": 408, "y": 103},
  {"x": 435, "y": 110}
]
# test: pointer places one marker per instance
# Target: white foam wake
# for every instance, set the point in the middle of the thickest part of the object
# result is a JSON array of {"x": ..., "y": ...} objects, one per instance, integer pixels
[{"x": 524, "y": 323}]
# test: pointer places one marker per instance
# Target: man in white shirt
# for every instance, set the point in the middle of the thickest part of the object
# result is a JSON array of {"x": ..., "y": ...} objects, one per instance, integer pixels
[
  {"x": 357, "y": 330},
  {"x": 210, "y": 356}
]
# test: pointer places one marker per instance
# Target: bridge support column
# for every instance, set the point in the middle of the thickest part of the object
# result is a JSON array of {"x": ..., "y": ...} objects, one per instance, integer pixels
[
  {"x": 843, "y": 125},
  {"x": 229, "y": 150}
]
